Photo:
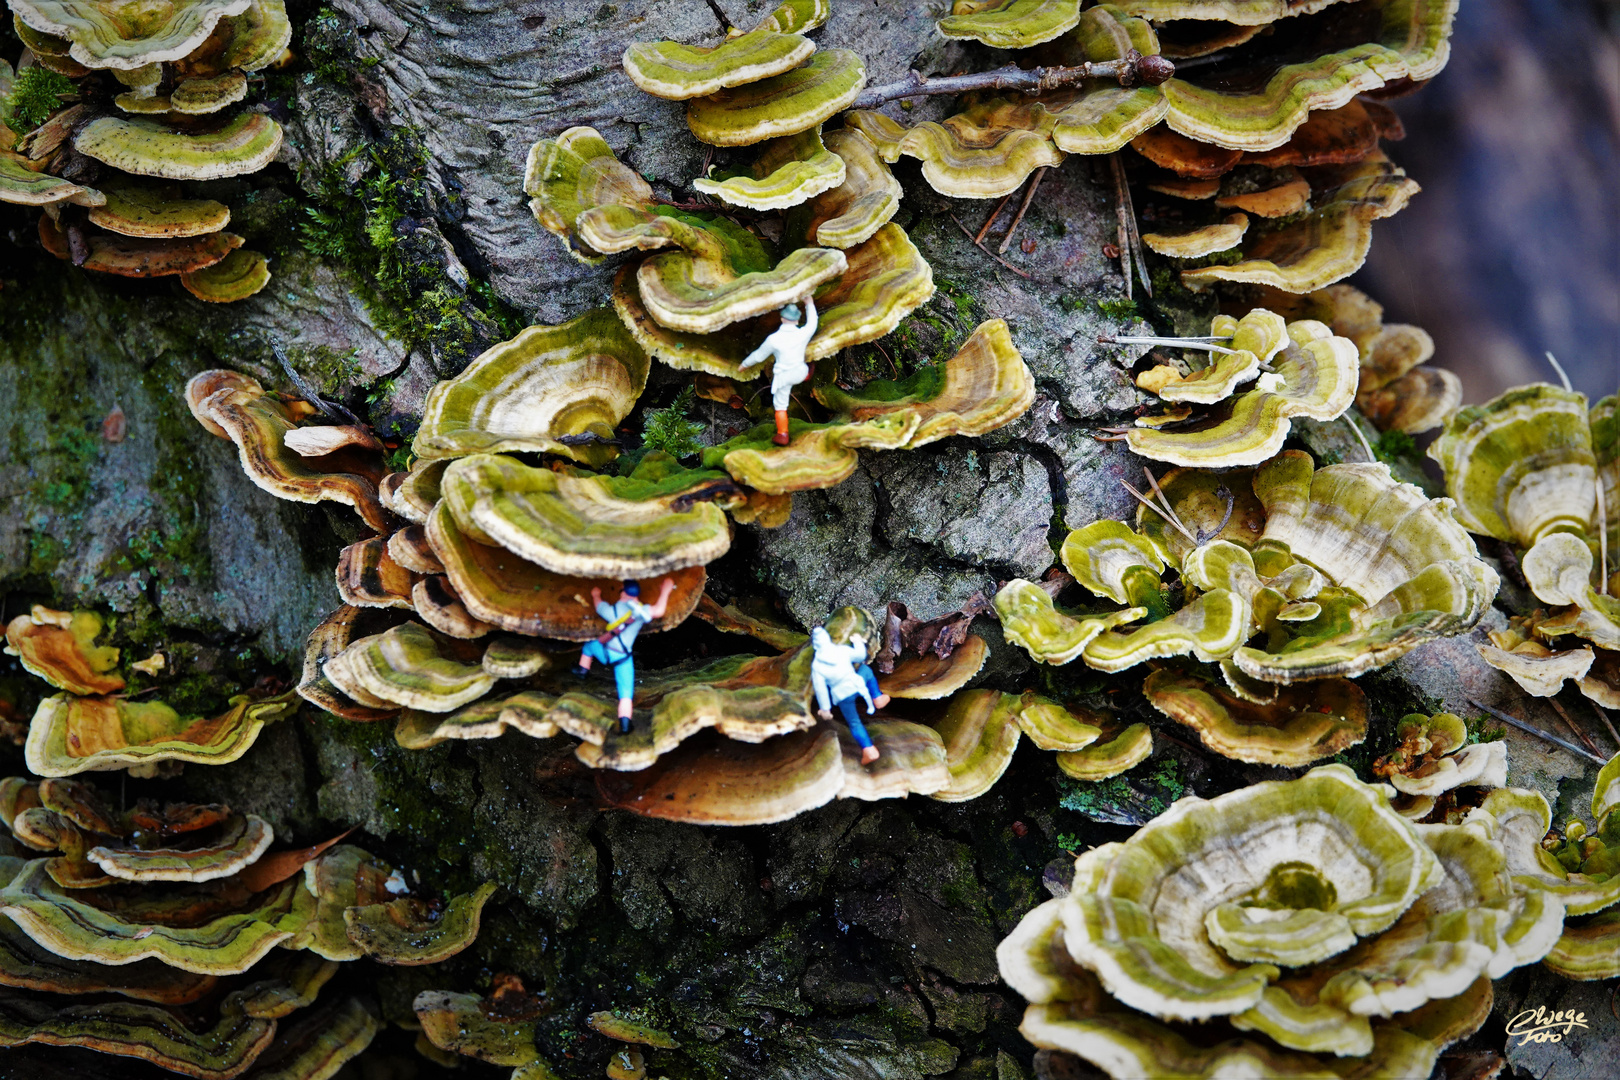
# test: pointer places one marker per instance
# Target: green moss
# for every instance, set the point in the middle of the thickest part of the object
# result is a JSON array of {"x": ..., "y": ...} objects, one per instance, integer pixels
[
  {"x": 36, "y": 94},
  {"x": 1149, "y": 791},
  {"x": 328, "y": 369},
  {"x": 1118, "y": 309},
  {"x": 1483, "y": 729},
  {"x": 1228, "y": 257},
  {"x": 671, "y": 429},
  {"x": 1393, "y": 445}
]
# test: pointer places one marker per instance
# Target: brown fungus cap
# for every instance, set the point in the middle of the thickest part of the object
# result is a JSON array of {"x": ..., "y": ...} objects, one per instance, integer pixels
[
  {"x": 258, "y": 424},
  {"x": 59, "y": 647},
  {"x": 334, "y": 634},
  {"x": 440, "y": 606},
  {"x": 1300, "y": 726},
  {"x": 717, "y": 781},
  {"x": 514, "y": 594},
  {"x": 368, "y": 576},
  {"x": 130, "y": 256},
  {"x": 409, "y": 548}
]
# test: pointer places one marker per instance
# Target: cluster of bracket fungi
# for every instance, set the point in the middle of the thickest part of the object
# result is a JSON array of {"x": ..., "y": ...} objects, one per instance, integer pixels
[
  {"x": 1339, "y": 926},
  {"x": 179, "y": 934},
  {"x": 157, "y": 106}
]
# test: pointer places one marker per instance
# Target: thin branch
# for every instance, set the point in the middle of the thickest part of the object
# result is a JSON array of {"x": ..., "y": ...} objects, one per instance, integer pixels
[
  {"x": 1562, "y": 374},
  {"x": 1222, "y": 492},
  {"x": 1182, "y": 343},
  {"x": 330, "y": 409},
  {"x": 984, "y": 229},
  {"x": 1133, "y": 70},
  {"x": 892, "y": 365},
  {"x": 1023, "y": 207},
  {"x": 1164, "y": 501},
  {"x": 1124, "y": 234},
  {"x": 967, "y": 233},
  {"x": 725, "y": 23},
  {"x": 1569, "y": 723},
  {"x": 1537, "y": 732},
  {"x": 1132, "y": 234},
  {"x": 1365, "y": 445},
  {"x": 1170, "y": 518},
  {"x": 1603, "y": 716}
]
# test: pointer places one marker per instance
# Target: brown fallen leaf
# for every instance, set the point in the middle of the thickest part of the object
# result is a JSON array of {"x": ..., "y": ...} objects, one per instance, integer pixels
[{"x": 278, "y": 866}]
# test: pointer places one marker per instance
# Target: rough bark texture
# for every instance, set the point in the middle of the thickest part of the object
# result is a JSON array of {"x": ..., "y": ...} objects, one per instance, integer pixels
[{"x": 854, "y": 942}]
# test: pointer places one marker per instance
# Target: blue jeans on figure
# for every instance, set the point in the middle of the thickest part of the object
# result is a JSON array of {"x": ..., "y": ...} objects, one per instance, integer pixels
[
  {"x": 850, "y": 707},
  {"x": 624, "y": 668}
]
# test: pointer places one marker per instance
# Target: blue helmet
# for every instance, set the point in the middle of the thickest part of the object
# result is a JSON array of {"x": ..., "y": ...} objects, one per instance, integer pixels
[
  {"x": 791, "y": 313},
  {"x": 632, "y": 589}
]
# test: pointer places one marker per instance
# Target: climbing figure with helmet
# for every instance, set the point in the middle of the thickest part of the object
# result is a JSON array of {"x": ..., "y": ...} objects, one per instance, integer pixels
[
  {"x": 613, "y": 646},
  {"x": 841, "y": 678},
  {"x": 787, "y": 343}
]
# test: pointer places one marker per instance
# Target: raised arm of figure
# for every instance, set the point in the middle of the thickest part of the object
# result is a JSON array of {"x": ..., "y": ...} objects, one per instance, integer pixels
[
  {"x": 658, "y": 607},
  {"x": 767, "y": 348}
]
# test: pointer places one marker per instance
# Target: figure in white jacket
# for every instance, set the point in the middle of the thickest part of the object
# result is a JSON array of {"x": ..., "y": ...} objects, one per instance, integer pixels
[
  {"x": 841, "y": 676},
  {"x": 787, "y": 343}
]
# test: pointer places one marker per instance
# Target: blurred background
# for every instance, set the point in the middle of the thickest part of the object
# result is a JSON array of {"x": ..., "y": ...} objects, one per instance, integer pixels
[{"x": 1512, "y": 249}]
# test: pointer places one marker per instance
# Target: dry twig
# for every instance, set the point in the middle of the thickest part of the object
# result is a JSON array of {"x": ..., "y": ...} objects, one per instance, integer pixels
[
  {"x": 966, "y": 232},
  {"x": 1023, "y": 207},
  {"x": 1537, "y": 732},
  {"x": 1133, "y": 69}
]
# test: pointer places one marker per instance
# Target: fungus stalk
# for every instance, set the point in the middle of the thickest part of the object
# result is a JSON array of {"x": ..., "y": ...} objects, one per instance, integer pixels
[{"x": 1133, "y": 69}]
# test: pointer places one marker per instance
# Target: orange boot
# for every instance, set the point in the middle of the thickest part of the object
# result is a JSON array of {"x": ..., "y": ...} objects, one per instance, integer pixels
[{"x": 781, "y": 438}]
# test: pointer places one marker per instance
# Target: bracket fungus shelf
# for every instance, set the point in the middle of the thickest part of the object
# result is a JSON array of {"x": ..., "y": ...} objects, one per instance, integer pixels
[
  {"x": 162, "y": 93},
  {"x": 1333, "y": 572},
  {"x": 1338, "y": 936},
  {"x": 1313, "y": 373},
  {"x": 1534, "y": 467},
  {"x": 172, "y": 934}
]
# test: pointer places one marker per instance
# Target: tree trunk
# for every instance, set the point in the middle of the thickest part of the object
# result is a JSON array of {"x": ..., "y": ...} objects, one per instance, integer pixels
[{"x": 855, "y": 941}]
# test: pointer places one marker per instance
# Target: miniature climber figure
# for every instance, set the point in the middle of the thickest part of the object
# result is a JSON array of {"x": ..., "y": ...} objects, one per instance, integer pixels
[
  {"x": 841, "y": 676},
  {"x": 787, "y": 342},
  {"x": 613, "y": 646}
]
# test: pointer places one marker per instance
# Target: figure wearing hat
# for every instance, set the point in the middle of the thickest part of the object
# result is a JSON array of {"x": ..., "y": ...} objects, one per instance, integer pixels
[
  {"x": 624, "y": 621},
  {"x": 841, "y": 677},
  {"x": 787, "y": 343}
]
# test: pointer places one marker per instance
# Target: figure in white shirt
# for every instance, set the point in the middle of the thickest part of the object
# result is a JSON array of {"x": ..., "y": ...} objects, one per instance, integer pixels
[
  {"x": 613, "y": 646},
  {"x": 841, "y": 678},
  {"x": 787, "y": 343}
]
